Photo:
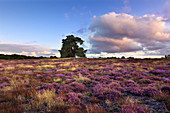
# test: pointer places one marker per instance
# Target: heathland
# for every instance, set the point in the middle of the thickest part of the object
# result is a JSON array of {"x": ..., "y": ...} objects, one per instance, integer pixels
[{"x": 85, "y": 85}]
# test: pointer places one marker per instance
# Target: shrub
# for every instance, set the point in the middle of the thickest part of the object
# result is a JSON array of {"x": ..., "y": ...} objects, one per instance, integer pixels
[
  {"x": 78, "y": 87},
  {"x": 49, "y": 86},
  {"x": 131, "y": 82},
  {"x": 166, "y": 89},
  {"x": 74, "y": 98},
  {"x": 104, "y": 92},
  {"x": 4, "y": 85},
  {"x": 132, "y": 108},
  {"x": 166, "y": 80},
  {"x": 150, "y": 91},
  {"x": 65, "y": 88},
  {"x": 134, "y": 90},
  {"x": 144, "y": 81},
  {"x": 94, "y": 100}
]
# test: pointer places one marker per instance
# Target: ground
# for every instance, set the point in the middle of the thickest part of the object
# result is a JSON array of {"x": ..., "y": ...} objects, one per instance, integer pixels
[{"x": 85, "y": 85}]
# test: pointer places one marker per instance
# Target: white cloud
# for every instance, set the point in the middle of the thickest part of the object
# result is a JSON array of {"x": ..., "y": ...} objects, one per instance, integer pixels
[
  {"x": 138, "y": 54},
  {"x": 126, "y": 33},
  {"x": 32, "y": 50}
]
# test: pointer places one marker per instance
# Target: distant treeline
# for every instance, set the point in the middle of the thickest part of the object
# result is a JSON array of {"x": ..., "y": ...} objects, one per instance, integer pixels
[{"x": 16, "y": 56}]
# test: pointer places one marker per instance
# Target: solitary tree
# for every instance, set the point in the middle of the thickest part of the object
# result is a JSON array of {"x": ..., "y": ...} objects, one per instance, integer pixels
[{"x": 70, "y": 47}]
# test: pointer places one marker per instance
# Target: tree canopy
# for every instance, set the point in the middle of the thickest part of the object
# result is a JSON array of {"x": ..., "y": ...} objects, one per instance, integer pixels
[{"x": 70, "y": 47}]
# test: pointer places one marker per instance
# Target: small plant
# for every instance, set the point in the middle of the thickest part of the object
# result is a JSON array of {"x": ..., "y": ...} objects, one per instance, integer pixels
[
  {"x": 58, "y": 80},
  {"x": 74, "y": 98},
  {"x": 130, "y": 106},
  {"x": 104, "y": 92},
  {"x": 144, "y": 81},
  {"x": 166, "y": 89},
  {"x": 150, "y": 91}
]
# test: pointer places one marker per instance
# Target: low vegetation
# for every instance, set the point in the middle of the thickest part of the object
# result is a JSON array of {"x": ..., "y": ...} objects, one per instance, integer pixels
[{"x": 82, "y": 85}]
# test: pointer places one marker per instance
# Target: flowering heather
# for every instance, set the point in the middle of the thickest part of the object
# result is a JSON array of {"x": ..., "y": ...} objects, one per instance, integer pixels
[
  {"x": 132, "y": 108},
  {"x": 65, "y": 88},
  {"x": 158, "y": 71},
  {"x": 77, "y": 87},
  {"x": 49, "y": 85},
  {"x": 166, "y": 80},
  {"x": 144, "y": 81},
  {"x": 74, "y": 98},
  {"x": 150, "y": 91},
  {"x": 165, "y": 89},
  {"x": 84, "y": 85},
  {"x": 105, "y": 92},
  {"x": 4, "y": 85}
]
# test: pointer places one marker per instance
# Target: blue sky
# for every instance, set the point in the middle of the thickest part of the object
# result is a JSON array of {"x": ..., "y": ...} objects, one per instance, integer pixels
[{"x": 42, "y": 24}]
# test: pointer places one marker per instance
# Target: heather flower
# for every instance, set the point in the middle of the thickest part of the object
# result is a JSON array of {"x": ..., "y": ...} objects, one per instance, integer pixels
[
  {"x": 158, "y": 71},
  {"x": 144, "y": 81},
  {"x": 78, "y": 87},
  {"x": 132, "y": 85},
  {"x": 60, "y": 75},
  {"x": 166, "y": 80},
  {"x": 114, "y": 84},
  {"x": 116, "y": 73},
  {"x": 134, "y": 90},
  {"x": 119, "y": 78},
  {"x": 104, "y": 92},
  {"x": 38, "y": 75},
  {"x": 165, "y": 89},
  {"x": 150, "y": 91},
  {"x": 4, "y": 85},
  {"x": 4, "y": 79},
  {"x": 65, "y": 88},
  {"x": 155, "y": 78},
  {"x": 146, "y": 71},
  {"x": 41, "y": 91},
  {"x": 74, "y": 98},
  {"x": 121, "y": 89},
  {"x": 49, "y": 85},
  {"x": 104, "y": 79},
  {"x": 152, "y": 84},
  {"x": 68, "y": 80},
  {"x": 133, "y": 108},
  {"x": 129, "y": 81}
]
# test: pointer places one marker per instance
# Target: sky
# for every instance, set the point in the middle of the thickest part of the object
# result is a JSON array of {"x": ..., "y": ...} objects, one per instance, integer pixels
[{"x": 130, "y": 28}]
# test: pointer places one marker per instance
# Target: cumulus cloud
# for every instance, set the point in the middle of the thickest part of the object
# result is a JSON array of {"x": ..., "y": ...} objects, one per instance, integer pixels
[
  {"x": 126, "y": 33},
  {"x": 33, "y": 50}
]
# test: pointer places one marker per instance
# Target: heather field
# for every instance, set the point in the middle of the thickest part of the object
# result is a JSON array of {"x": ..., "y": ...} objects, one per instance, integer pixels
[{"x": 85, "y": 85}]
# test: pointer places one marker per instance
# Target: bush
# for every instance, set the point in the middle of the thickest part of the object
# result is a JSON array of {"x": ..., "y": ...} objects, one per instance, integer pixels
[
  {"x": 132, "y": 108},
  {"x": 78, "y": 87},
  {"x": 74, "y": 98},
  {"x": 166, "y": 89},
  {"x": 104, "y": 92},
  {"x": 150, "y": 91},
  {"x": 134, "y": 90}
]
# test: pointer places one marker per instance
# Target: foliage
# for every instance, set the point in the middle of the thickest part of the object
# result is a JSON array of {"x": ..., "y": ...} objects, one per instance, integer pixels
[
  {"x": 15, "y": 56},
  {"x": 70, "y": 47}
]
